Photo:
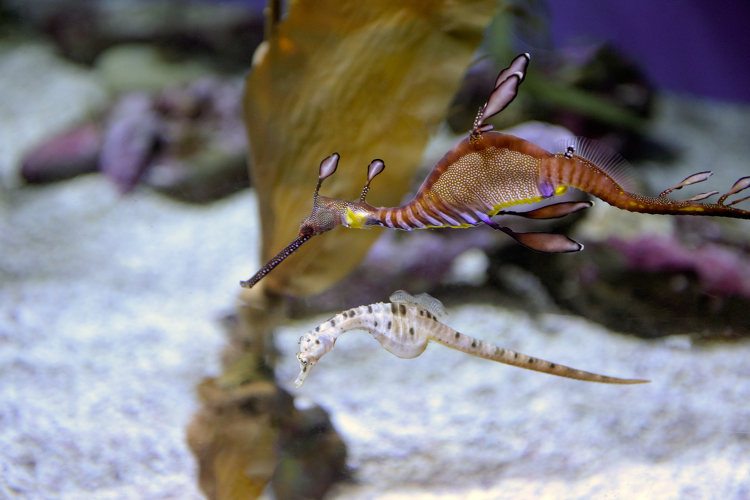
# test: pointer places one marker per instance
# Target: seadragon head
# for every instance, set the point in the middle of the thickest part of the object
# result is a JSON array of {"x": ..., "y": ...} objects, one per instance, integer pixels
[
  {"x": 313, "y": 345},
  {"x": 327, "y": 213}
]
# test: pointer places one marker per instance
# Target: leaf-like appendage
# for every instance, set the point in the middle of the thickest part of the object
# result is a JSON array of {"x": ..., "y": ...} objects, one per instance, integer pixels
[
  {"x": 328, "y": 166},
  {"x": 693, "y": 179},
  {"x": 554, "y": 211},
  {"x": 518, "y": 65},
  {"x": 502, "y": 96},
  {"x": 740, "y": 185},
  {"x": 702, "y": 196},
  {"x": 374, "y": 169}
]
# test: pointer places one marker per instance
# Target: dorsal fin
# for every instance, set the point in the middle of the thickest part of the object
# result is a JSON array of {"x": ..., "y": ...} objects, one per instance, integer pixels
[
  {"x": 423, "y": 300},
  {"x": 604, "y": 157}
]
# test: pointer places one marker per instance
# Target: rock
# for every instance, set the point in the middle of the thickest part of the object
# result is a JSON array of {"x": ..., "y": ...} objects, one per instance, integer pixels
[
  {"x": 64, "y": 156},
  {"x": 130, "y": 140},
  {"x": 468, "y": 268},
  {"x": 225, "y": 32},
  {"x": 186, "y": 141},
  {"x": 203, "y": 149},
  {"x": 312, "y": 456},
  {"x": 42, "y": 96},
  {"x": 144, "y": 67}
]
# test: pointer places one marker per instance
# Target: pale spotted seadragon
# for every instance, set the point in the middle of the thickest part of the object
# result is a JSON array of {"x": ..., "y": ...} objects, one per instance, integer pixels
[{"x": 407, "y": 324}]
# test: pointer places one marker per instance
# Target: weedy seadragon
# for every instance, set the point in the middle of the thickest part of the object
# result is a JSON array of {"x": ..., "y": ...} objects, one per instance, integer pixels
[
  {"x": 407, "y": 324},
  {"x": 489, "y": 171}
]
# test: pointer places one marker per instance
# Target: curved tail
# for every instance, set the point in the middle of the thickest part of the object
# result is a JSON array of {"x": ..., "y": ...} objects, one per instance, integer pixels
[{"x": 464, "y": 343}]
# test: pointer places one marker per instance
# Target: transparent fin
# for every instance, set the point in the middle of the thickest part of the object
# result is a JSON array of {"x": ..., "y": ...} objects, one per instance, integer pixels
[
  {"x": 423, "y": 300},
  {"x": 604, "y": 157}
]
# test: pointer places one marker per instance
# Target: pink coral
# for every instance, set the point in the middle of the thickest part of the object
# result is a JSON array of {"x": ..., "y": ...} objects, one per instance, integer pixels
[{"x": 721, "y": 270}]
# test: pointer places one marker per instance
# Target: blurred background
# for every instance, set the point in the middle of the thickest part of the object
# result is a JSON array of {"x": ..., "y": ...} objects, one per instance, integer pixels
[{"x": 132, "y": 366}]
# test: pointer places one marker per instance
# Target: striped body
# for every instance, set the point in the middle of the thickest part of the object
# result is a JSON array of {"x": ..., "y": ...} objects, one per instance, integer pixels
[
  {"x": 405, "y": 329},
  {"x": 473, "y": 181},
  {"x": 477, "y": 179}
]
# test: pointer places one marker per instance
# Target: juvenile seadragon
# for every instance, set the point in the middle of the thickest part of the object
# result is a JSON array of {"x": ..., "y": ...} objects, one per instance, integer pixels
[
  {"x": 489, "y": 171},
  {"x": 407, "y": 324}
]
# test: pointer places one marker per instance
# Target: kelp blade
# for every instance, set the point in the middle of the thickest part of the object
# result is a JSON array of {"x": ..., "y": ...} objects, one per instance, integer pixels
[{"x": 367, "y": 80}]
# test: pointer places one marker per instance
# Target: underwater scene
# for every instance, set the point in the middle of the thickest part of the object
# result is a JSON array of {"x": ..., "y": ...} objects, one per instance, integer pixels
[{"x": 385, "y": 250}]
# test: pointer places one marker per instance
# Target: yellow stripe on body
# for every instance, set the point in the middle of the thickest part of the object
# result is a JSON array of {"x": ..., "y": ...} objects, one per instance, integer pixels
[
  {"x": 559, "y": 191},
  {"x": 462, "y": 226},
  {"x": 500, "y": 206}
]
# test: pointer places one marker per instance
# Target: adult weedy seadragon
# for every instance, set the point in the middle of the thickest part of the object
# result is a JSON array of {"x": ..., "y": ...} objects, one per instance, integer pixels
[
  {"x": 489, "y": 171},
  {"x": 405, "y": 327}
]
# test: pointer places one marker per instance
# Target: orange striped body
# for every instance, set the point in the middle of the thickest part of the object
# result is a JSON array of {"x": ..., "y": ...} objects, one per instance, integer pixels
[
  {"x": 476, "y": 179},
  {"x": 472, "y": 181}
]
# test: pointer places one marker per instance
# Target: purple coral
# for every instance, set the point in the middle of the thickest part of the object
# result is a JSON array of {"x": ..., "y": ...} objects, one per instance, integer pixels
[{"x": 721, "y": 271}]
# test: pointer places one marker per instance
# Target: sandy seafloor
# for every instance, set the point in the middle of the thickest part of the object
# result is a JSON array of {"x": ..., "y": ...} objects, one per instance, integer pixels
[
  {"x": 109, "y": 312},
  {"x": 108, "y": 319}
]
